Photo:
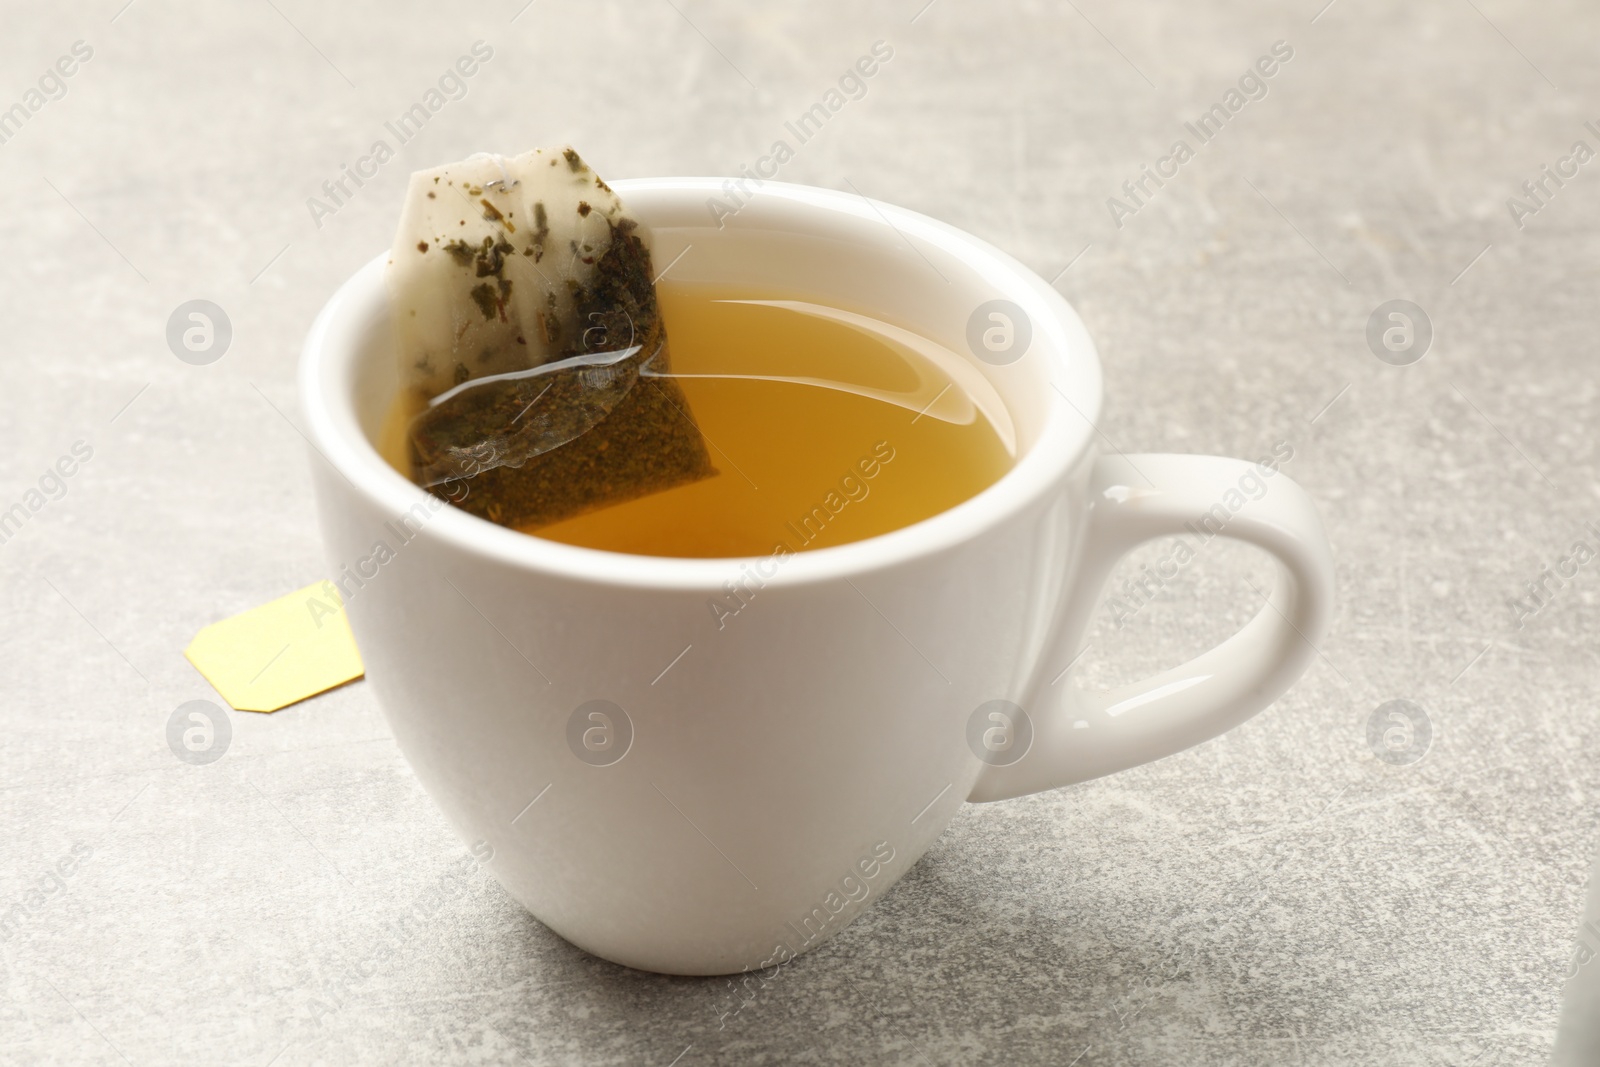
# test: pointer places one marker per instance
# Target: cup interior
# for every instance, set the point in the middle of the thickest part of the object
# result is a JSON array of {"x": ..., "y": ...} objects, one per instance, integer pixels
[{"x": 810, "y": 244}]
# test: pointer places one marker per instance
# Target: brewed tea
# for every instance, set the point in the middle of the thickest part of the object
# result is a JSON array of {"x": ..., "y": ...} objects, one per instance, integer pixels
[{"x": 825, "y": 426}]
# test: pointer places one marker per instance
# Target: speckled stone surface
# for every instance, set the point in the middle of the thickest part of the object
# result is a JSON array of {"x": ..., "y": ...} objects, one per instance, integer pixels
[{"x": 1278, "y": 896}]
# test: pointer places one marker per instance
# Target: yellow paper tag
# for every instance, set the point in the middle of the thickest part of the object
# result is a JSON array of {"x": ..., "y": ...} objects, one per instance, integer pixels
[{"x": 280, "y": 653}]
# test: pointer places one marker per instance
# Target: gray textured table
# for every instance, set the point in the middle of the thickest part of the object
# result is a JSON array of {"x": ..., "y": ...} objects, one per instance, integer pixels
[{"x": 1281, "y": 895}]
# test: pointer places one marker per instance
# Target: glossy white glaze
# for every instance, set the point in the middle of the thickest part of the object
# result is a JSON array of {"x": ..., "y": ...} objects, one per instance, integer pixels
[{"x": 787, "y": 767}]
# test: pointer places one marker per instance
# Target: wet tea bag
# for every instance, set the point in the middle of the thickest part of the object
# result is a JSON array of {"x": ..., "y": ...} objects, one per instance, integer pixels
[{"x": 531, "y": 344}]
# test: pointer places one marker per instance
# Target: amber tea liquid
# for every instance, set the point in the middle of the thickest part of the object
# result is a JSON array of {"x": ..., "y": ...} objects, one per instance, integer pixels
[{"x": 825, "y": 427}]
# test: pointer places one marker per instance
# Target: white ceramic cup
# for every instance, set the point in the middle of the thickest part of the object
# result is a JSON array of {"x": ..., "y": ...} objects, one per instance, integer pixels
[{"x": 682, "y": 796}]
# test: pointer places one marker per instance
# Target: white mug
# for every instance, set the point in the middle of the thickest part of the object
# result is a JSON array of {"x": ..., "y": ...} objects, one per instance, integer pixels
[{"x": 680, "y": 791}]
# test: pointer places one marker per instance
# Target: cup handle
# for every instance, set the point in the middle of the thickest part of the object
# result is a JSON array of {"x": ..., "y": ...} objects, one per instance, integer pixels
[{"x": 1078, "y": 734}]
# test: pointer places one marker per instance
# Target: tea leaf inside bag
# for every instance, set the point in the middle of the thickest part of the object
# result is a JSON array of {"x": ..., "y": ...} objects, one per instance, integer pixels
[{"x": 531, "y": 342}]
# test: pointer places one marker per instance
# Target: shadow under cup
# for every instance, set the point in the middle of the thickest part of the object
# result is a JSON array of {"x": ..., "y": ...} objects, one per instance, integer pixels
[{"x": 771, "y": 779}]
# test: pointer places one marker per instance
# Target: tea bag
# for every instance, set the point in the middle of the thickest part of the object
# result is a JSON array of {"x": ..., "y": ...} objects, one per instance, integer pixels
[{"x": 530, "y": 341}]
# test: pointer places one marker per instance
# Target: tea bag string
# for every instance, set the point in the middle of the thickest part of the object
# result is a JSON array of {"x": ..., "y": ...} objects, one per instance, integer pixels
[
  {"x": 506, "y": 182},
  {"x": 964, "y": 397},
  {"x": 592, "y": 359}
]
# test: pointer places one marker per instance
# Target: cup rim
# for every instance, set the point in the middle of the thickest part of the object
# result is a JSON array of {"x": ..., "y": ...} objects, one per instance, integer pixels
[{"x": 1072, "y": 368}]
